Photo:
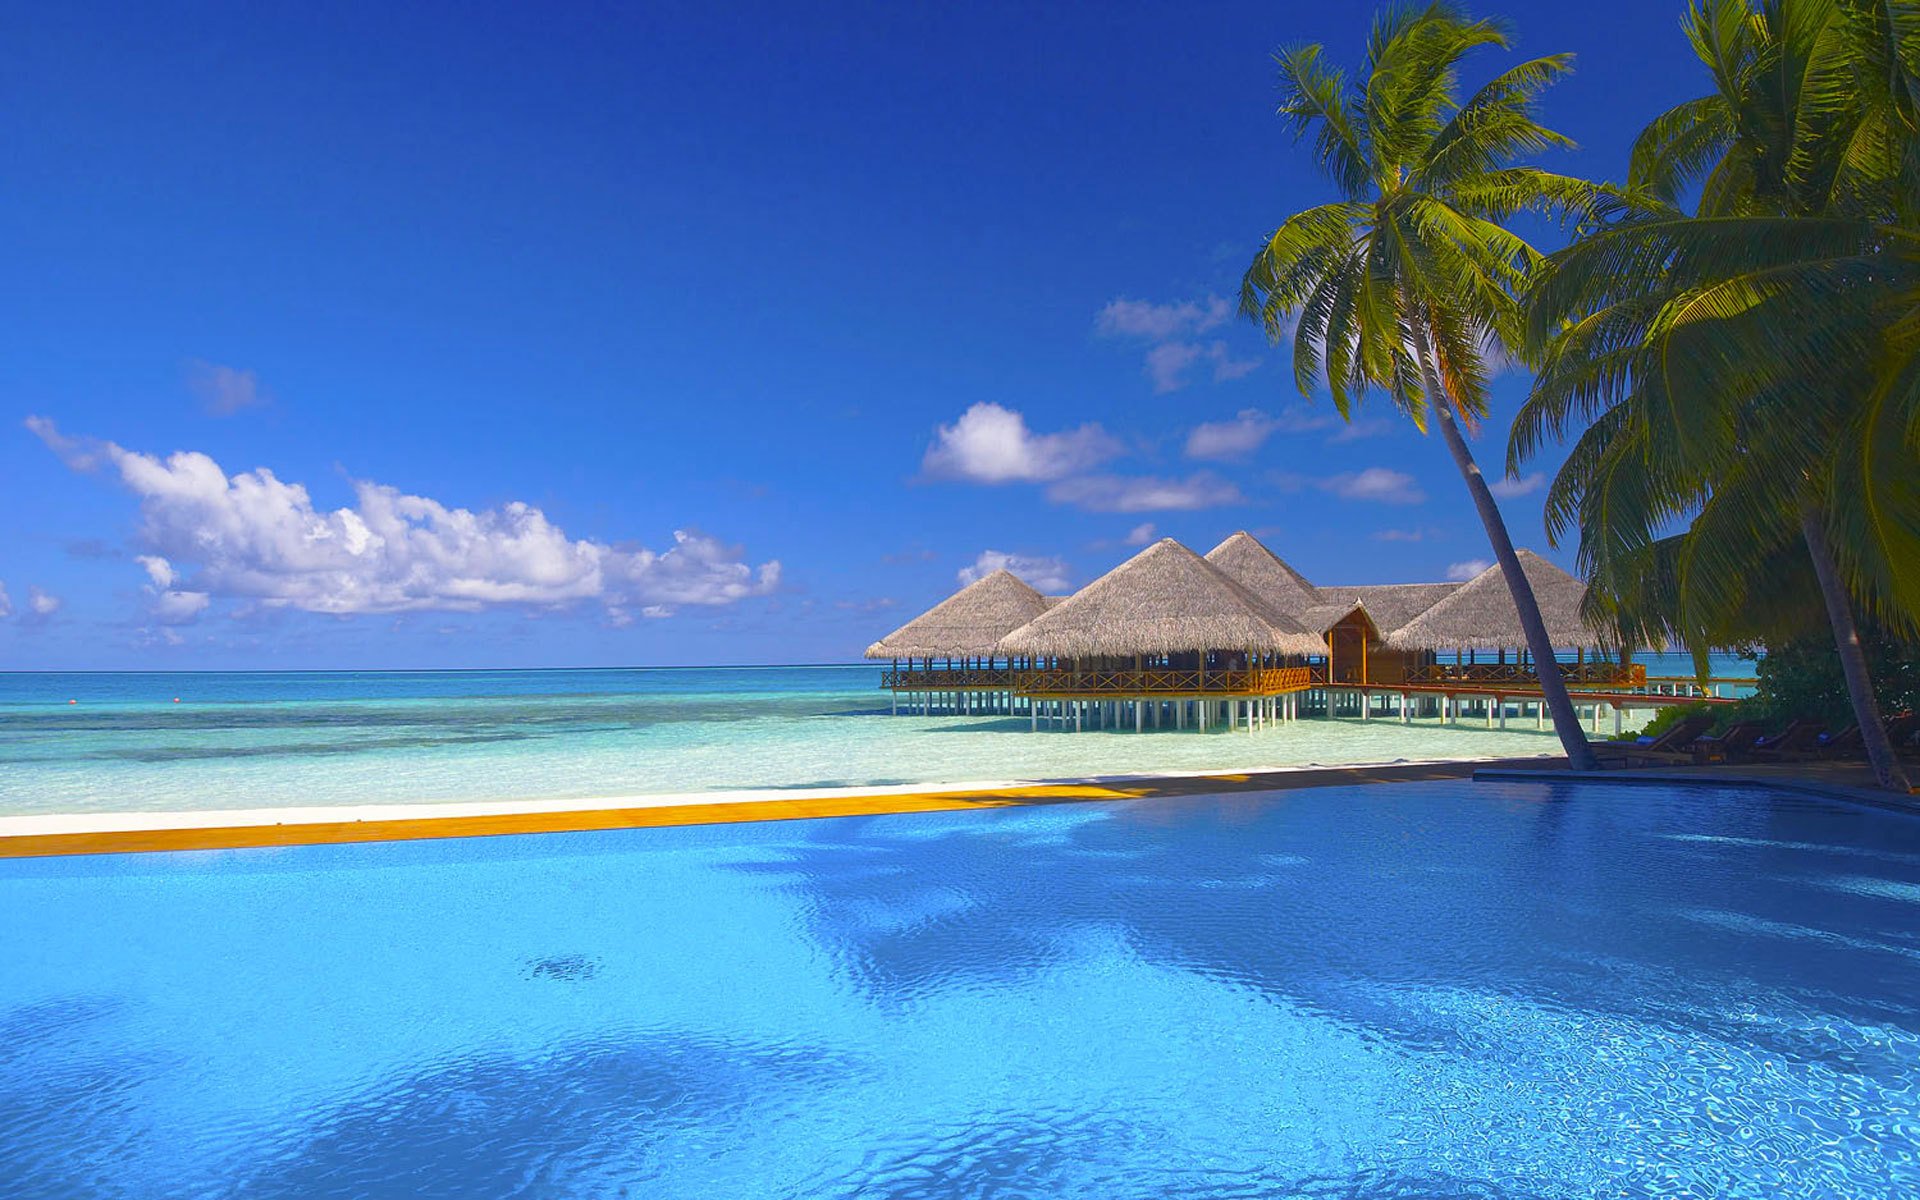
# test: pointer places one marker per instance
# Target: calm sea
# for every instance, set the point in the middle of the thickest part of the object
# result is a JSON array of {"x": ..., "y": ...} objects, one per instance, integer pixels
[{"x": 137, "y": 740}]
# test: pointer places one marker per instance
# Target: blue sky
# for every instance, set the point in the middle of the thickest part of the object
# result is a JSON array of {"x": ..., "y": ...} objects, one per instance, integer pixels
[{"x": 454, "y": 336}]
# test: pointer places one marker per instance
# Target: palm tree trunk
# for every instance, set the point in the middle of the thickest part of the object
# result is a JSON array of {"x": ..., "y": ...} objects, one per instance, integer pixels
[
  {"x": 1887, "y": 771},
  {"x": 1566, "y": 722}
]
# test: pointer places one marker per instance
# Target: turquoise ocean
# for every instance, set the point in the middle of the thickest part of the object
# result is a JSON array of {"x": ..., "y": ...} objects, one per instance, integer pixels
[{"x": 126, "y": 741}]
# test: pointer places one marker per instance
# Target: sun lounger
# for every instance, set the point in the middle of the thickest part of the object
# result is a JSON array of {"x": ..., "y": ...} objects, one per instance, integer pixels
[
  {"x": 1734, "y": 742},
  {"x": 1846, "y": 744},
  {"x": 1675, "y": 745},
  {"x": 1797, "y": 740}
]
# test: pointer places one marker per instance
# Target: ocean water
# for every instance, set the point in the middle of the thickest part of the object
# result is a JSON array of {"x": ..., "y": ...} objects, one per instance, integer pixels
[
  {"x": 1423, "y": 990},
  {"x": 157, "y": 741}
]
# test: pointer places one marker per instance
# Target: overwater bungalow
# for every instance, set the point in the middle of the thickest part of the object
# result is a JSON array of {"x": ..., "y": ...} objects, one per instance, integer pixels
[
  {"x": 948, "y": 659},
  {"x": 1165, "y": 634},
  {"x": 1240, "y": 637}
]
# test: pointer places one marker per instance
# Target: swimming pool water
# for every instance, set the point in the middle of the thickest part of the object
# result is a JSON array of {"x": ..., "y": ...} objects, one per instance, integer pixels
[{"x": 1431, "y": 990}]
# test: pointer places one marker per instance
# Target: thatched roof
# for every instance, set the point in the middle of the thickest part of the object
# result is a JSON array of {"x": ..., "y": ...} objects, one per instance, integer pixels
[
  {"x": 1391, "y": 605},
  {"x": 1318, "y": 618},
  {"x": 1251, "y": 565},
  {"x": 1164, "y": 600},
  {"x": 1480, "y": 615},
  {"x": 967, "y": 623}
]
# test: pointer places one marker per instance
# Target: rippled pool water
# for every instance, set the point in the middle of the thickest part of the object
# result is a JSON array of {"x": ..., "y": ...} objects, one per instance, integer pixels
[{"x": 1432, "y": 990}]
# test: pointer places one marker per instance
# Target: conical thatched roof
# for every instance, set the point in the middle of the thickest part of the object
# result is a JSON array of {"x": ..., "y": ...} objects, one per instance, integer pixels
[
  {"x": 1480, "y": 615},
  {"x": 1390, "y": 605},
  {"x": 967, "y": 623},
  {"x": 1251, "y": 565},
  {"x": 1164, "y": 600}
]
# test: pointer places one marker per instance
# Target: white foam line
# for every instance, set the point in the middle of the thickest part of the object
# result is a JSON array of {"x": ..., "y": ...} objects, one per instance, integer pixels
[{"x": 41, "y": 824}]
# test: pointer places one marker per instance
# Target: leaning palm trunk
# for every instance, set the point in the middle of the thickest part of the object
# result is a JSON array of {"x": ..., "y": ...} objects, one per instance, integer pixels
[
  {"x": 1887, "y": 771},
  {"x": 1566, "y": 722}
]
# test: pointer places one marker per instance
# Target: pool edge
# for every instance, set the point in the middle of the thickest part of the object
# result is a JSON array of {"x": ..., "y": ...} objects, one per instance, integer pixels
[{"x": 253, "y": 835}]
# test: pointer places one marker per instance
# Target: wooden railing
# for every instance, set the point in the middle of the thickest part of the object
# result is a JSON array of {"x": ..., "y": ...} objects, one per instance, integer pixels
[
  {"x": 1162, "y": 681},
  {"x": 1483, "y": 675},
  {"x": 949, "y": 679}
]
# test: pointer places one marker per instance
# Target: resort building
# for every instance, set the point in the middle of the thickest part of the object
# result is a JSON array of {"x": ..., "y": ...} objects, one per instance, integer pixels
[{"x": 1170, "y": 639}]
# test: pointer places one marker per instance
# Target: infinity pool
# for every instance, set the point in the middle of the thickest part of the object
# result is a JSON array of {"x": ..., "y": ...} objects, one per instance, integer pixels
[{"x": 1421, "y": 990}]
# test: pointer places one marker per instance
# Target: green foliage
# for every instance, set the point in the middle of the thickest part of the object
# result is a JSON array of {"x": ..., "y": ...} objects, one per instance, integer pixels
[
  {"x": 1415, "y": 253},
  {"x": 1738, "y": 368},
  {"x": 1667, "y": 718},
  {"x": 1801, "y": 678}
]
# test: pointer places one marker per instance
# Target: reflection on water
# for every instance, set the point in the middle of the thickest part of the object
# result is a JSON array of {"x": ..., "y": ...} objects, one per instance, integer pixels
[{"x": 1429, "y": 990}]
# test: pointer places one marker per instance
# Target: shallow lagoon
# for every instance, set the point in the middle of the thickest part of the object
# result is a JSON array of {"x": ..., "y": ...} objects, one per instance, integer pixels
[{"x": 259, "y": 740}]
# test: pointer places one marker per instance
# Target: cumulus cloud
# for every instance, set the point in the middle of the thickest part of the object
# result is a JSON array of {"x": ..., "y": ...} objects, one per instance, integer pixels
[
  {"x": 1381, "y": 485},
  {"x": 259, "y": 539},
  {"x": 1511, "y": 486},
  {"x": 992, "y": 444},
  {"x": 1140, "y": 534},
  {"x": 1144, "y": 493},
  {"x": 224, "y": 391},
  {"x": 1041, "y": 574},
  {"x": 1158, "y": 322},
  {"x": 1463, "y": 571}
]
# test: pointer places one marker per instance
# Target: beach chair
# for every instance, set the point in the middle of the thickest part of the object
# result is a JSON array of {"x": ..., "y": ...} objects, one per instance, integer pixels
[
  {"x": 1795, "y": 741},
  {"x": 1846, "y": 744},
  {"x": 1675, "y": 745},
  {"x": 1731, "y": 744}
]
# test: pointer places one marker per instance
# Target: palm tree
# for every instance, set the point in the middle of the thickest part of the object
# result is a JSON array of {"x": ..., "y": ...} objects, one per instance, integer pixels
[
  {"x": 1750, "y": 370},
  {"x": 1408, "y": 282}
]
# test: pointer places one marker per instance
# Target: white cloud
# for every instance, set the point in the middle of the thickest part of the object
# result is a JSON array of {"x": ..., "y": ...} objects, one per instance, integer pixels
[
  {"x": 1467, "y": 570},
  {"x": 1129, "y": 494},
  {"x": 1167, "y": 363},
  {"x": 1511, "y": 487},
  {"x": 992, "y": 444},
  {"x": 1140, "y": 534},
  {"x": 1159, "y": 322},
  {"x": 1366, "y": 427},
  {"x": 178, "y": 608},
  {"x": 254, "y": 537},
  {"x": 1398, "y": 535},
  {"x": 168, "y": 606},
  {"x": 1172, "y": 331},
  {"x": 1236, "y": 438},
  {"x": 1380, "y": 484},
  {"x": 158, "y": 569},
  {"x": 41, "y": 605},
  {"x": 6, "y": 601},
  {"x": 224, "y": 390},
  {"x": 1041, "y": 574}
]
